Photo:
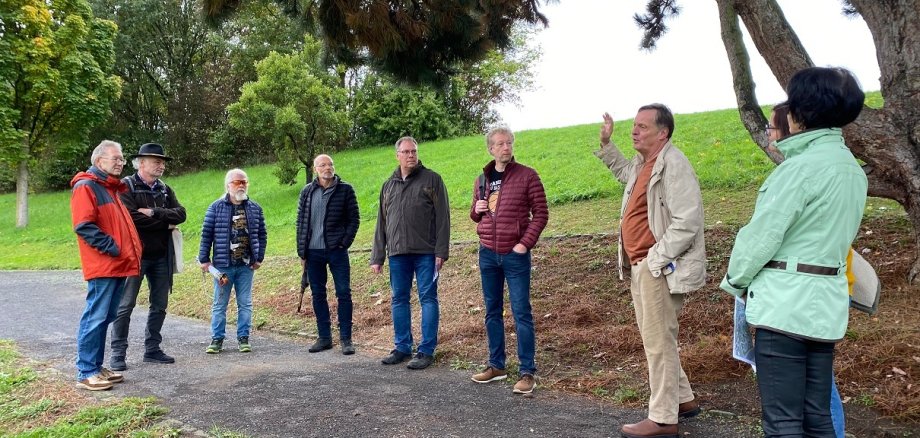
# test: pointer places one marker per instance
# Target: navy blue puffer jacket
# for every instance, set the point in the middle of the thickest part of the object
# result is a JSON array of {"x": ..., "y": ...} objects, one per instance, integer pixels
[{"x": 215, "y": 232}]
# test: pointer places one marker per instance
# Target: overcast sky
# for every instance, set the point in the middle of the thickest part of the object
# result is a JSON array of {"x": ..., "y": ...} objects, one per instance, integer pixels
[{"x": 592, "y": 63}]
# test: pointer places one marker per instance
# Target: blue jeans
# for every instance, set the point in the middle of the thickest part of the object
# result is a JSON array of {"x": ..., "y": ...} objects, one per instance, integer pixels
[
  {"x": 240, "y": 279},
  {"x": 158, "y": 281},
  {"x": 514, "y": 268},
  {"x": 102, "y": 299},
  {"x": 337, "y": 260},
  {"x": 837, "y": 417},
  {"x": 794, "y": 377},
  {"x": 402, "y": 269}
]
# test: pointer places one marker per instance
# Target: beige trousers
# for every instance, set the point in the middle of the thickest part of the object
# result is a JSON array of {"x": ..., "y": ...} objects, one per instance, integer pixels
[{"x": 656, "y": 315}]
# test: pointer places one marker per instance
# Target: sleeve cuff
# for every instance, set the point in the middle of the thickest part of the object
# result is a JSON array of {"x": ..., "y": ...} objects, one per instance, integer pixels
[{"x": 730, "y": 288}]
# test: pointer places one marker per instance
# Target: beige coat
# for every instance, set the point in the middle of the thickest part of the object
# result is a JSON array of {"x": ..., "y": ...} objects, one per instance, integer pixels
[{"x": 675, "y": 215}]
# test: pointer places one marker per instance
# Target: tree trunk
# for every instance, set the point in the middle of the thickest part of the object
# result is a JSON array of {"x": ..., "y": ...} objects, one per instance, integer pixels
[
  {"x": 887, "y": 139},
  {"x": 22, "y": 187},
  {"x": 751, "y": 115}
]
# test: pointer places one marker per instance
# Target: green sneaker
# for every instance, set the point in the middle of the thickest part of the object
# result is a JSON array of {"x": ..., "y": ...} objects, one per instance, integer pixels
[
  {"x": 216, "y": 346},
  {"x": 244, "y": 344}
]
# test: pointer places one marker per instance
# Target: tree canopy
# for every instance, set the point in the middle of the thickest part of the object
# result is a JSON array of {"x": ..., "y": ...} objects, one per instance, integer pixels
[
  {"x": 420, "y": 41},
  {"x": 56, "y": 62}
]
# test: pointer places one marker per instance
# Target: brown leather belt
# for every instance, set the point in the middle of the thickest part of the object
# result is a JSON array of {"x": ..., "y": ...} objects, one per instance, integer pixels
[{"x": 804, "y": 268}]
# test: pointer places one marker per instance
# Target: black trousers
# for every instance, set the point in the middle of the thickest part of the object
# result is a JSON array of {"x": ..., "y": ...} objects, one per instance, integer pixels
[
  {"x": 157, "y": 273},
  {"x": 795, "y": 377}
]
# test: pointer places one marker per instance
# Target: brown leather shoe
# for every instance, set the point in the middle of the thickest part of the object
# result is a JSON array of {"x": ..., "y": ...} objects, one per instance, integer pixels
[
  {"x": 688, "y": 409},
  {"x": 649, "y": 429}
]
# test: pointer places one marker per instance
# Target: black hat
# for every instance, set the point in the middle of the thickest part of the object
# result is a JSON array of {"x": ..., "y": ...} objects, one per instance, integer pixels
[{"x": 151, "y": 150}]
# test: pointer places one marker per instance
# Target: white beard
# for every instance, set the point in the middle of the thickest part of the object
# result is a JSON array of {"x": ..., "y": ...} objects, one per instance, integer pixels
[{"x": 240, "y": 197}]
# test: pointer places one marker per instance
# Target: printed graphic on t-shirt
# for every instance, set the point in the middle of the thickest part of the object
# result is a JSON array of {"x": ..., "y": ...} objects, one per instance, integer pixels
[
  {"x": 495, "y": 186},
  {"x": 239, "y": 238}
]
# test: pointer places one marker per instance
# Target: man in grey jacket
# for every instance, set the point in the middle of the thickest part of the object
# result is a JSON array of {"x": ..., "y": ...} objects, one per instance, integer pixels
[
  {"x": 413, "y": 229},
  {"x": 661, "y": 240}
]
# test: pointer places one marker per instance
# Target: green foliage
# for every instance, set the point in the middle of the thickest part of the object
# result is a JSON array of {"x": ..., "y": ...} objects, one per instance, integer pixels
[
  {"x": 56, "y": 60},
  {"x": 295, "y": 105},
  {"x": 385, "y": 111}
]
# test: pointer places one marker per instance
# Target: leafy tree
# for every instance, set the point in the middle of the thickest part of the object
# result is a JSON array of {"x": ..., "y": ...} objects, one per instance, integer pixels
[
  {"x": 296, "y": 106},
  {"x": 886, "y": 139},
  {"x": 180, "y": 75},
  {"x": 385, "y": 110},
  {"x": 56, "y": 60},
  {"x": 420, "y": 41}
]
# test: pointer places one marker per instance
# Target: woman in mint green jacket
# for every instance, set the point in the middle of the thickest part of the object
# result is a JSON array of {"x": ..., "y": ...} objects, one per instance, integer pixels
[{"x": 789, "y": 262}]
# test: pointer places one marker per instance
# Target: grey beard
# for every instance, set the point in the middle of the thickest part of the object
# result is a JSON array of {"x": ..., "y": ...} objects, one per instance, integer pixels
[{"x": 240, "y": 197}]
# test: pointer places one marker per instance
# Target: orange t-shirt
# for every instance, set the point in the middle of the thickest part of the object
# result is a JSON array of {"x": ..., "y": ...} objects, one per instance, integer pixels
[{"x": 637, "y": 236}]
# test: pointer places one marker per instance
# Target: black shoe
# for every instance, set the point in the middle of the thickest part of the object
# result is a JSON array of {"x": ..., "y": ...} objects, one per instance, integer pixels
[
  {"x": 320, "y": 345},
  {"x": 421, "y": 361},
  {"x": 396, "y": 357},
  {"x": 347, "y": 348},
  {"x": 117, "y": 363},
  {"x": 158, "y": 357}
]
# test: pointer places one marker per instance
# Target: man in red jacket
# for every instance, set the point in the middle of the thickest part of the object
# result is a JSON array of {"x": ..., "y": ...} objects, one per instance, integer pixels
[
  {"x": 509, "y": 205},
  {"x": 110, "y": 252}
]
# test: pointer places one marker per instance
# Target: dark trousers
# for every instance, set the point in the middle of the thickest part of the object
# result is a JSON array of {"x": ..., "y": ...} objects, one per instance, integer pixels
[
  {"x": 339, "y": 265},
  {"x": 795, "y": 378},
  {"x": 157, "y": 273}
]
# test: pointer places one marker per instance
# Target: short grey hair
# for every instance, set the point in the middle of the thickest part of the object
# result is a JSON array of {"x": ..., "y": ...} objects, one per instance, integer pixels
[
  {"x": 406, "y": 138},
  {"x": 99, "y": 150},
  {"x": 502, "y": 129},
  {"x": 229, "y": 176}
]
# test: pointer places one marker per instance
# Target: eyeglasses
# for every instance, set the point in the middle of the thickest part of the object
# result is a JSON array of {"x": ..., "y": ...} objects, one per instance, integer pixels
[
  {"x": 769, "y": 127},
  {"x": 239, "y": 182},
  {"x": 118, "y": 160},
  {"x": 409, "y": 152}
]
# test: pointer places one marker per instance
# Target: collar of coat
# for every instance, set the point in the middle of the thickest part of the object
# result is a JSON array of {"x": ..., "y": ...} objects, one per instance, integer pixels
[
  {"x": 397, "y": 174},
  {"x": 491, "y": 165},
  {"x": 799, "y": 142}
]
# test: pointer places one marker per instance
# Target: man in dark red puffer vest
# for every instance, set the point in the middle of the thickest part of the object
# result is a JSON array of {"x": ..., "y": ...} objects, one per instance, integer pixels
[{"x": 509, "y": 205}]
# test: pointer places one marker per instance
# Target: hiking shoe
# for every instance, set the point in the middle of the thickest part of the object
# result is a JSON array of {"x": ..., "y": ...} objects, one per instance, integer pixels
[
  {"x": 158, "y": 357},
  {"x": 688, "y": 409},
  {"x": 244, "y": 344},
  {"x": 320, "y": 345},
  {"x": 395, "y": 357},
  {"x": 117, "y": 363},
  {"x": 421, "y": 361},
  {"x": 216, "y": 346},
  {"x": 347, "y": 348},
  {"x": 490, "y": 374},
  {"x": 526, "y": 385},
  {"x": 95, "y": 383},
  {"x": 111, "y": 376}
]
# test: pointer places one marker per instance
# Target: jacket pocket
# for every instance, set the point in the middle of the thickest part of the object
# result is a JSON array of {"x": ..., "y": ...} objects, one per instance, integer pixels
[{"x": 688, "y": 276}]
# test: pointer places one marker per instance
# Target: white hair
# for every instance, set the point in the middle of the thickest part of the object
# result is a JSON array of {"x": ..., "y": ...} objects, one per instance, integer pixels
[
  {"x": 229, "y": 177},
  {"x": 502, "y": 129},
  {"x": 101, "y": 149}
]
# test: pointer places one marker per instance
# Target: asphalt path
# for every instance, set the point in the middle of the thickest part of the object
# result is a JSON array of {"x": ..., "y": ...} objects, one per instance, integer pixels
[{"x": 281, "y": 390}]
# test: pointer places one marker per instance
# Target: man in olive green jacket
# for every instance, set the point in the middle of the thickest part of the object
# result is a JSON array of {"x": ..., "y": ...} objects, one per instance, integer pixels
[
  {"x": 661, "y": 240},
  {"x": 413, "y": 229}
]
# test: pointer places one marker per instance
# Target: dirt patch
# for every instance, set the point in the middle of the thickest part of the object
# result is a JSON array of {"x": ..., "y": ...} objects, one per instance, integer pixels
[{"x": 588, "y": 343}]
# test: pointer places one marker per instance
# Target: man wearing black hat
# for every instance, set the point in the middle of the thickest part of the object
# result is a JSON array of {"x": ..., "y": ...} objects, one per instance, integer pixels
[{"x": 156, "y": 213}]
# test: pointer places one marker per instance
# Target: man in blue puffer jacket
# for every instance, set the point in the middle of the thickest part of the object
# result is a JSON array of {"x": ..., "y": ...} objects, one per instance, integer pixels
[{"x": 234, "y": 228}]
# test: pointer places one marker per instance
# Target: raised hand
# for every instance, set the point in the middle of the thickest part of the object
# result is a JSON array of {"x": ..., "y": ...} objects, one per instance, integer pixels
[{"x": 606, "y": 129}]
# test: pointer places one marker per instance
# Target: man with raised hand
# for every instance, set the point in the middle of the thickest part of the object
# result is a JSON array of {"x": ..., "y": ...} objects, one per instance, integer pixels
[
  {"x": 327, "y": 222},
  {"x": 156, "y": 212},
  {"x": 110, "y": 252},
  {"x": 509, "y": 207},
  {"x": 413, "y": 231},
  {"x": 661, "y": 241}
]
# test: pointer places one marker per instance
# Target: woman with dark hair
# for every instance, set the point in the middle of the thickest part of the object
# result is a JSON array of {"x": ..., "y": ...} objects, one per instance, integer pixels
[{"x": 789, "y": 262}]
